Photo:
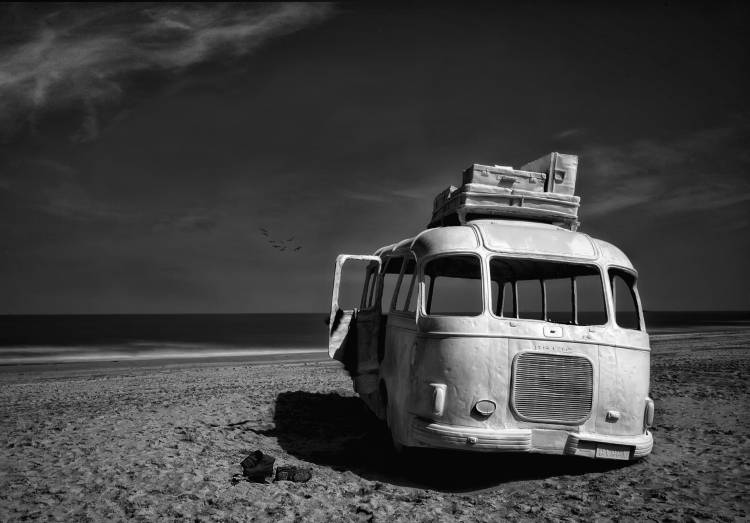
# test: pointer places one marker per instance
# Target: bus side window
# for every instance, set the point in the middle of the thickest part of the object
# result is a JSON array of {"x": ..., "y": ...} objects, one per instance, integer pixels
[
  {"x": 407, "y": 292},
  {"x": 624, "y": 299},
  {"x": 391, "y": 272},
  {"x": 454, "y": 286},
  {"x": 368, "y": 294}
]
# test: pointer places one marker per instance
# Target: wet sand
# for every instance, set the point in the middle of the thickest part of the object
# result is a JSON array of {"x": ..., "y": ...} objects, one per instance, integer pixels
[{"x": 164, "y": 440}]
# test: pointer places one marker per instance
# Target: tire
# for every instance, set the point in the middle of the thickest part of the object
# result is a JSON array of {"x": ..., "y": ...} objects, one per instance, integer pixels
[{"x": 398, "y": 448}]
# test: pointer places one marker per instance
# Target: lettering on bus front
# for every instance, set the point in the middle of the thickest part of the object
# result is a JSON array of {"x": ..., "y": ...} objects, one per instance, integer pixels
[{"x": 563, "y": 349}]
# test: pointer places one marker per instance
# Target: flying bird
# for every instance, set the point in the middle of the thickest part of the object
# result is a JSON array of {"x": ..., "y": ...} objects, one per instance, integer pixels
[{"x": 280, "y": 245}]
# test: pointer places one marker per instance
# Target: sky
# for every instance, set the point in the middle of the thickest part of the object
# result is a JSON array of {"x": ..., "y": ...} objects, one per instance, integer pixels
[{"x": 143, "y": 147}]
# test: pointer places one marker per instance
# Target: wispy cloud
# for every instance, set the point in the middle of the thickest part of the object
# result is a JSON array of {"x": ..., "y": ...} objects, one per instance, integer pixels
[
  {"x": 54, "y": 189},
  {"x": 195, "y": 220},
  {"x": 703, "y": 171},
  {"x": 366, "y": 196},
  {"x": 80, "y": 56},
  {"x": 58, "y": 191},
  {"x": 422, "y": 192},
  {"x": 568, "y": 133}
]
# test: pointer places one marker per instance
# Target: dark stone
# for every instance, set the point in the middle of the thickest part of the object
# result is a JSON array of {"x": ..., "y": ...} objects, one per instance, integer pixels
[
  {"x": 290, "y": 473},
  {"x": 258, "y": 466}
]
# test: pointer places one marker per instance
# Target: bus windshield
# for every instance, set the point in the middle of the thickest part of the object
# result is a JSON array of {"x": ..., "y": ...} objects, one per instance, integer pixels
[{"x": 552, "y": 291}]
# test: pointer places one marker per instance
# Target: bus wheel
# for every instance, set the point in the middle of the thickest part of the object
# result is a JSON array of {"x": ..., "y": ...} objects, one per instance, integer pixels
[
  {"x": 398, "y": 448},
  {"x": 382, "y": 404}
]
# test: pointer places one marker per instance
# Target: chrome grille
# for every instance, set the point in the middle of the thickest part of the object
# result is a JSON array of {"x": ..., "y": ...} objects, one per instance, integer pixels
[{"x": 552, "y": 388}]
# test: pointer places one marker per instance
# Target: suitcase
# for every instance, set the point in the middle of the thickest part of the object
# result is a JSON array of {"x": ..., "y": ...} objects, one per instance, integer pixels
[
  {"x": 443, "y": 197},
  {"x": 560, "y": 170},
  {"x": 507, "y": 177},
  {"x": 477, "y": 201}
]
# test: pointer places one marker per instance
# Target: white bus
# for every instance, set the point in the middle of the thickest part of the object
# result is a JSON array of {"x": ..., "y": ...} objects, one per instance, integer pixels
[{"x": 500, "y": 336}]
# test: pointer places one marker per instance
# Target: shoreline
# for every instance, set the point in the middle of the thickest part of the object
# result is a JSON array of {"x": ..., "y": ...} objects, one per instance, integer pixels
[
  {"x": 169, "y": 355},
  {"x": 120, "y": 366},
  {"x": 95, "y": 354}
]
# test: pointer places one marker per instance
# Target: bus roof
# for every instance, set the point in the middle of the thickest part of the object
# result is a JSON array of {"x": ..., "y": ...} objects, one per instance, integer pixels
[{"x": 511, "y": 237}]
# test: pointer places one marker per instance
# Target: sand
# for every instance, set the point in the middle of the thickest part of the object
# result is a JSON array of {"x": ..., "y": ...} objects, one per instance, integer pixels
[{"x": 154, "y": 442}]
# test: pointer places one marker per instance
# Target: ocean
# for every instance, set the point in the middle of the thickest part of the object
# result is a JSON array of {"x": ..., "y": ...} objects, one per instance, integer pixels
[
  {"x": 90, "y": 338},
  {"x": 118, "y": 337}
]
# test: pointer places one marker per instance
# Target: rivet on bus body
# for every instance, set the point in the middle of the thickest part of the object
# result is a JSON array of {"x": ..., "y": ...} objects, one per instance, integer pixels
[
  {"x": 471, "y": 440},
  {"x": 438, "y": 398}
]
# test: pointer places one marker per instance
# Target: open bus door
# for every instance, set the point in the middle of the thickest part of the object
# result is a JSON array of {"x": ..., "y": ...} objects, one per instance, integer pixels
[{"x": 353, "y": 335}]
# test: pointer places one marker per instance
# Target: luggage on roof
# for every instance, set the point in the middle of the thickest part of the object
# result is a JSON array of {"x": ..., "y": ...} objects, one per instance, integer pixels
[
  {"x": 507, "y": 177},
  {"x": 560, "y": 170},
  {"x": 541, "y": 190}
]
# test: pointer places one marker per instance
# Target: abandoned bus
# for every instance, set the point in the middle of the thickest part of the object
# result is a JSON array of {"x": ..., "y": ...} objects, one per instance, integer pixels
[{"x": 500, "y": 335}]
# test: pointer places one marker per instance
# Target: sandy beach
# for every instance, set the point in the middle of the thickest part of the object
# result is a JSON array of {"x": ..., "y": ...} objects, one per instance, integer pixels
[{"x": 108, "y": 441}]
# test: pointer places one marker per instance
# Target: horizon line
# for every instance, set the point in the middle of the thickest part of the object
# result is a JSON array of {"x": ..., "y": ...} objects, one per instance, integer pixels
[{"x": 7, "y": 314}]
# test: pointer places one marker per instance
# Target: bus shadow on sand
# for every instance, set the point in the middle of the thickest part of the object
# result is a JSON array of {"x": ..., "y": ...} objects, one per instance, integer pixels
[{"x": 340, "y": 432}]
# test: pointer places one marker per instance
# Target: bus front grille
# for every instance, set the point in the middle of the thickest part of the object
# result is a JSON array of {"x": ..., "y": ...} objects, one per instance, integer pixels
[{"x": 552, "y": 388}]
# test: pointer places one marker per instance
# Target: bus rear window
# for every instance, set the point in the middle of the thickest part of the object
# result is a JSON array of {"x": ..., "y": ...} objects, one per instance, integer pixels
[
  {"x": 557, "y": 292},
  {"x": 453, "y": 286}
]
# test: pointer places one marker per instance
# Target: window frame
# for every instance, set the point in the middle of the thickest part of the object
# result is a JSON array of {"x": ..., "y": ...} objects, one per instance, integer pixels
[
  {"x": 369, "y": 289},
  {"x": 633, "y": 287},
  {"x": 422, "y": 283},
  {"x": 514, "y": 291},
  {"x": 413, "y": 284},
  {"x": 381, "y": 281}
]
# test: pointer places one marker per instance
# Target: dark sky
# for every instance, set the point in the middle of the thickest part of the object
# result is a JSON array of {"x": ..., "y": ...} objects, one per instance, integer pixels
[{"x": 143, "y": 146}]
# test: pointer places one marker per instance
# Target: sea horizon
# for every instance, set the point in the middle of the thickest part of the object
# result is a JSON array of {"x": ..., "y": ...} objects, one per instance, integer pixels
[{"x": 67, "y": 338}]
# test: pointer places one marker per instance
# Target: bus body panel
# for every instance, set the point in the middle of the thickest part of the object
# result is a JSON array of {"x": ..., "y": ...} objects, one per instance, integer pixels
[
  {"x": 400, "y": 339},
  {"x": 624, "y": 387}
]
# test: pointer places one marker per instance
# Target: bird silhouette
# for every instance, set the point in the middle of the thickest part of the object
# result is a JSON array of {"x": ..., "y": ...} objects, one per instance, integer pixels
[{"x": 280, "y": 245}]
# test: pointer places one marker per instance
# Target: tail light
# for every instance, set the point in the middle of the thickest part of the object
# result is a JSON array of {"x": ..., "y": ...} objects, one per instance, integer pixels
[{"x": 648, "y": 415}]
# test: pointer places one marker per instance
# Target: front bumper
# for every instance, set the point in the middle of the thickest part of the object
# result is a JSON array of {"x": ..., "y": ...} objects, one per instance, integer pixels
[{"x": 546, "y": 441}]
